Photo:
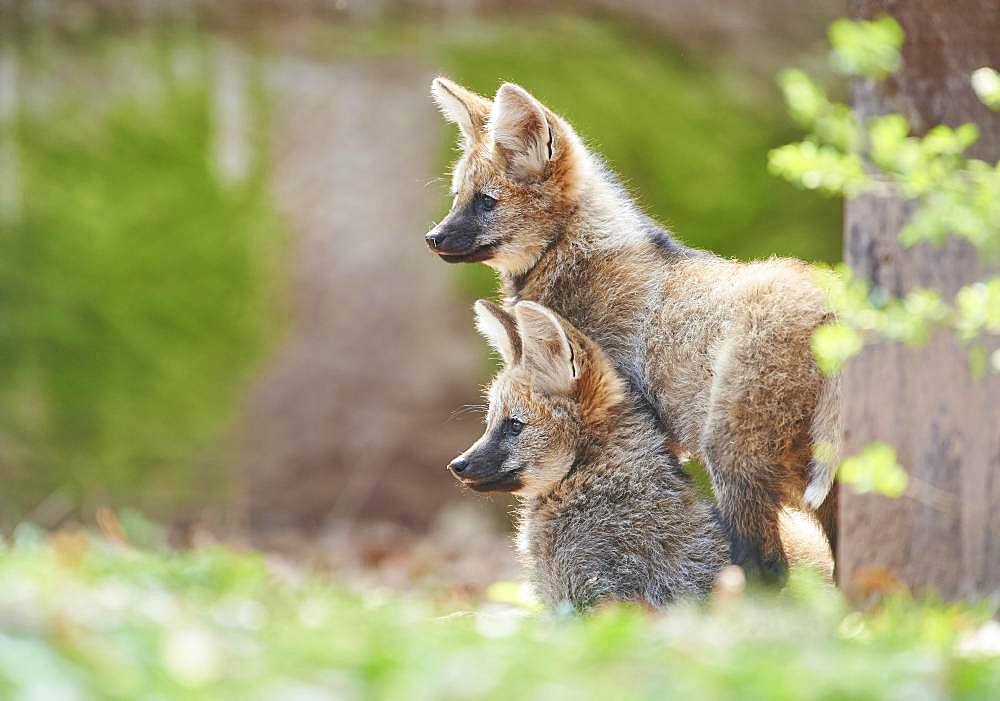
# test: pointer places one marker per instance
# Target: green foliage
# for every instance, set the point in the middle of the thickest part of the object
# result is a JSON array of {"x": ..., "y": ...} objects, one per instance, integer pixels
[
  {"x": 986, "y": 83},
  {"x": 861, "y": 309},
  {"x": 84, "y": 619},
  {"x": 874, "y": 470},
  {"x": 955, "y": 197},
  {"x": 964, "y": 203},
  {"x": 820, "y": 167},
  {"x": 834, "y": 344},
  {"x": 135, "y": 290},
  {"x": 828, "y": 160},
  {"x": 868, "y": 49},
  {"x": 978, "y": 309},
  {"x": 833, "y": 123}
]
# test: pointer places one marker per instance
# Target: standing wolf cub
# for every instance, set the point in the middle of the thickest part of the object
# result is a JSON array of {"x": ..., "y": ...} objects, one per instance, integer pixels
[{"x": 719, "y": 349}]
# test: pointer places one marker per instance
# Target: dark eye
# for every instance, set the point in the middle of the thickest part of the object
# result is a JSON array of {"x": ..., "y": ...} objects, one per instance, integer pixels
[
  {"x": 514, "y": 426},
  {"x": 484, "y": 202}
]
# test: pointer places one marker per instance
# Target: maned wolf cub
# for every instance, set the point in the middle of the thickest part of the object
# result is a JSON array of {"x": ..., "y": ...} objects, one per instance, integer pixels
[
  {"x": 720, "y": 349},
  {"x": 606, "y": 513}
]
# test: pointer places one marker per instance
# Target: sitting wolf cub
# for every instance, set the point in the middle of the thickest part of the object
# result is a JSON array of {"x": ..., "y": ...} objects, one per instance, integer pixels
[
  {"x": 607, "y": 513},
  {"x": 719, "y": 349}
]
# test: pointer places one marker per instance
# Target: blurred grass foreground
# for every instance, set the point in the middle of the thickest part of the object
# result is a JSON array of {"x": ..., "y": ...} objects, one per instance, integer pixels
[{"x": 84, "y": 618}]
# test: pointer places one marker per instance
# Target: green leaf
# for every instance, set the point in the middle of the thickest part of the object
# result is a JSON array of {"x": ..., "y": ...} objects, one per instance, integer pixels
[
  {"x": 866, "y": 49},
  {"x": 834, "y": 344},
  {"x": 986, "y": 83},
  {"x": 890, "y": 149},
  {"x": 806, "y": 100},
  {"x": 874, "y": 470},
  {"x": 831, "y": 123},
  {"x": 977, "y": 308},
  {"x": 818, "y": 167},
  {"x": 978, "y": 361}
]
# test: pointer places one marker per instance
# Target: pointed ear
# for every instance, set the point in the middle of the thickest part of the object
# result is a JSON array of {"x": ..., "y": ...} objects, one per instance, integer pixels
[
  {"x": 521, "y": 132},
  {"x": 569, "y": 363},
  {"x": 547, "y": 348},
  {"x": 499, "y": 329},
  {"x": 462, "y": 107}
]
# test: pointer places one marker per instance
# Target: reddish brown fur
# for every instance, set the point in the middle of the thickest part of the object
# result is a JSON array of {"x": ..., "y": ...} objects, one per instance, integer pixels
[
  {"x": 720, "y": 349},
  {"x": 606, "y": 513}
]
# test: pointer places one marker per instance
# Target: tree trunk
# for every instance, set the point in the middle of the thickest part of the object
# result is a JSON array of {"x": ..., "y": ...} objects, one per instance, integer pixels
[
  {"x": 944, "y": 534},
  {"x": 351, "y": 420},
  {"x": 10, "y": 187}
]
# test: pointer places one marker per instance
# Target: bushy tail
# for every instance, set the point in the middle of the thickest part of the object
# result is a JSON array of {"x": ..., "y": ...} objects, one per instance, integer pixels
[
  {"x": 821, "y": 476},
  {"x": 826, "y": 434}
]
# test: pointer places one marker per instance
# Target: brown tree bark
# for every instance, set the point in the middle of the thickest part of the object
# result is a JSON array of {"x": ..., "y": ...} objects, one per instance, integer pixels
[{"x": 944, "y": 534}]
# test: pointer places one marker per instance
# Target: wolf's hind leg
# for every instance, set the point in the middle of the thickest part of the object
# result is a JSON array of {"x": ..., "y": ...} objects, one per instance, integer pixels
[
  {"x": 749, "y": 512},
  {"x": 738, "y": 447}
]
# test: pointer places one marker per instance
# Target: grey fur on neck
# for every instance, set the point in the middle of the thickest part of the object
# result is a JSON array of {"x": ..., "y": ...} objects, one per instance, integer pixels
[{"x": 625, "y": 525}]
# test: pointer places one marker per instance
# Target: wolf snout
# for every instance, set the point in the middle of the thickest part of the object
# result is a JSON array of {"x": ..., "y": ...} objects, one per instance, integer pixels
[
  {"x": 435, "y": 238},
  {"x": 447, "y": 241},
  {"x": 458, "y": 465},
  {"x": 452, "y": 238}
]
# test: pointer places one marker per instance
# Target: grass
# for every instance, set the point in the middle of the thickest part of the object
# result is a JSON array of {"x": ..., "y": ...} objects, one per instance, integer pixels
[{"x": 85, "y": 618}]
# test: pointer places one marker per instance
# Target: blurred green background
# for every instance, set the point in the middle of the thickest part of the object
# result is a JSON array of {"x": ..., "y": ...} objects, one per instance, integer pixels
[
  {"x": 216, "y": 301},
  {"x": 136, "y": 283}
]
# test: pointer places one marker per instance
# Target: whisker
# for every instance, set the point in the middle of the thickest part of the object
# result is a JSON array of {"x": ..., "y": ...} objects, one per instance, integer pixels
[{"x": 467, "y": 409}]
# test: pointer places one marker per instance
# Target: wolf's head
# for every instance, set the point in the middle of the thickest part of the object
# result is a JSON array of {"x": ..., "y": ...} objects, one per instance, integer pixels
[
  {"x": 556, "y": 393},
  {"x": 518, "y": 178}
]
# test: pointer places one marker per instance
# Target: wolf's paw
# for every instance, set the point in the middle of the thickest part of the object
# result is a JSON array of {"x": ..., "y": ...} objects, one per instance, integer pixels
[{"x": 769, "y": 570}]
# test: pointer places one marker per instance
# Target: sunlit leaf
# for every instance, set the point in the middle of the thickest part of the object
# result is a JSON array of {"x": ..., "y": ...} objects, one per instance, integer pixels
[
  {"x": 986, "y": 83},
  {"x": 866, "y": 48},
  {"x": 978, "y": 309},
  {"x": 978, "y": 361},
  {"x": 818, "y": 167},
  {"x": 874, "y": 470},
  {"x": 834, "y": 344}
]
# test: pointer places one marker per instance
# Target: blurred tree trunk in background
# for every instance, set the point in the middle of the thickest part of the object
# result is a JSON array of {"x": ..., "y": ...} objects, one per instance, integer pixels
[
  {"x": 233, "y": 116},
  {"x": 10, "y": 189},
  {"x": 944, "y": 534},
  {"x": 351, "y": 419},
  {"x": 745, "y": 32}
]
